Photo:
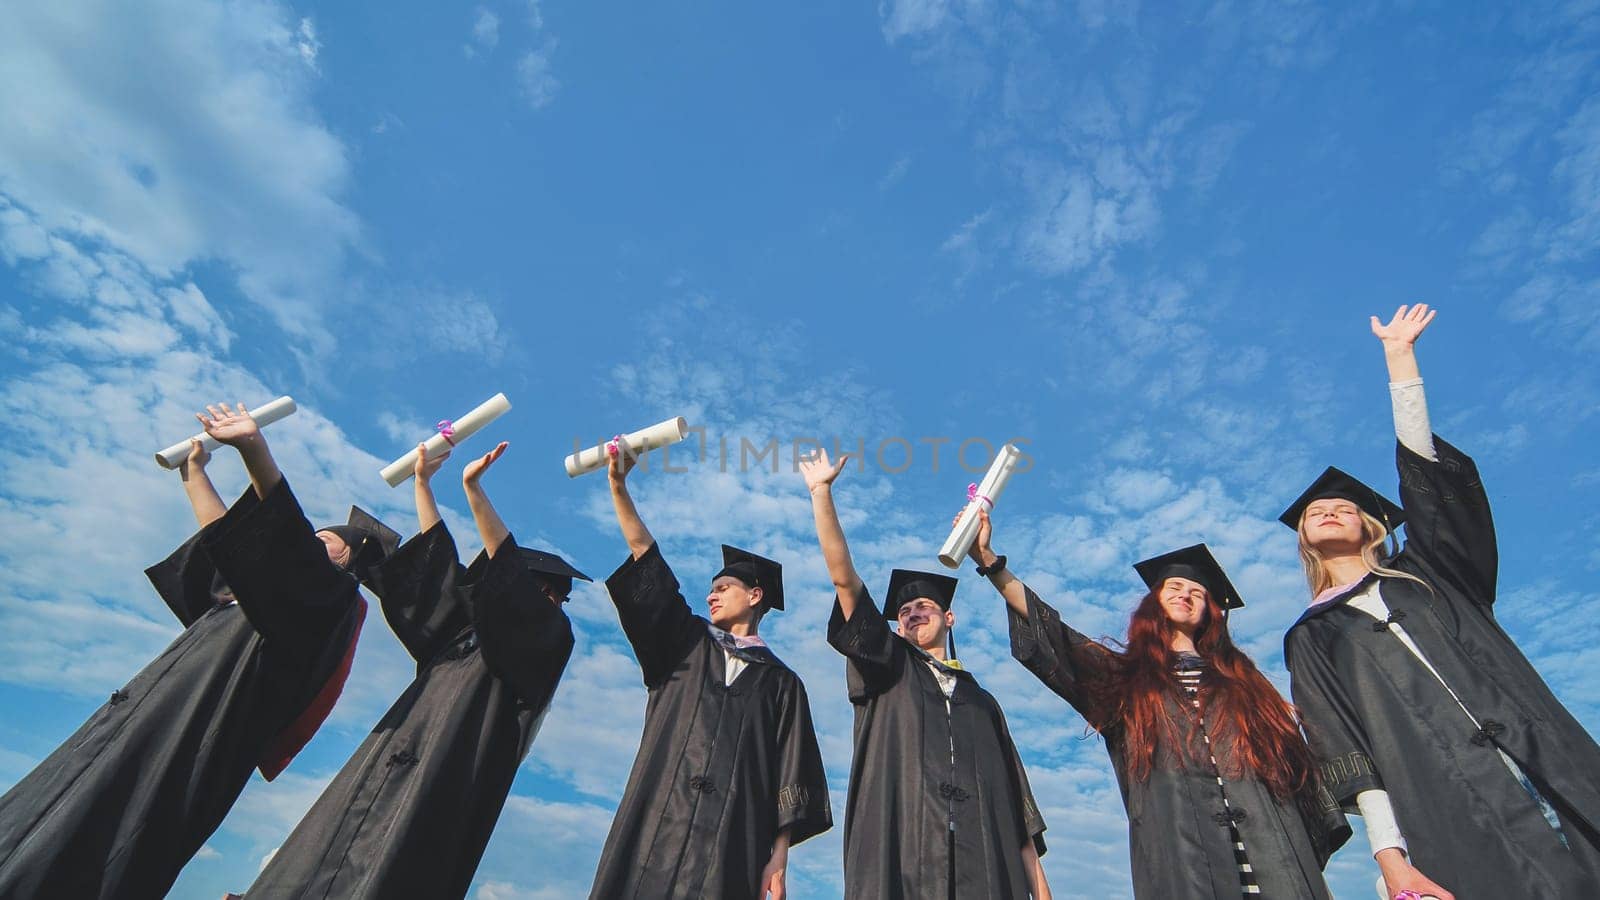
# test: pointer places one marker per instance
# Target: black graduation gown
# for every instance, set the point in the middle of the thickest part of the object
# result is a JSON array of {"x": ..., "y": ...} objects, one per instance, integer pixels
[
  {"x": 1377, "y": 718},
  {"x": 911, "y": 798},
  {"x": 1178, "y": 836},
  {"x": 119, "y": 808},
  {"x": 720, "y": 771},
  {"x": 410, "y": 813}
]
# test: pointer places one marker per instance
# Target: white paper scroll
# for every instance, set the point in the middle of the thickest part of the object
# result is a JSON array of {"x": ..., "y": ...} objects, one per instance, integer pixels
[
  {"x": 639, "y": 442},
  {"x": 989, "y": 490},
  {"x": 403, "y": 468},
  {"x": 265, "y": 415}
]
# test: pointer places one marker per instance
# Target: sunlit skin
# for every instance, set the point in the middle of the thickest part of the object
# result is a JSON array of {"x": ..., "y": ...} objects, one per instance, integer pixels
[
  {"x": 923, "y": 623},
  {"x": 338, "y": 550},
  {"x": 732, "y": 606},
  {"x": 1333, "y": 526},
  {"x": 1184, "y": 602}
]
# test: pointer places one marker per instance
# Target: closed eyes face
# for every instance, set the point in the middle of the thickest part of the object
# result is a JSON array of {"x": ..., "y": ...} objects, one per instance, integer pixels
[
  {"x": 729, "y": 599},
  {"x": 1184, "y": 602},
  {"x": 1332, "y": 519}
]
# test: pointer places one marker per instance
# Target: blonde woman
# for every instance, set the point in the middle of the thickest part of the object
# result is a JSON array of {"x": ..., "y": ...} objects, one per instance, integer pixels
[{"x": 1472, "y": 779}]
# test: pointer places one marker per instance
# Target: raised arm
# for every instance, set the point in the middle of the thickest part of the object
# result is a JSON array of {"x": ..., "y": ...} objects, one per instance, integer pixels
[
  {"x": 238, "y": 430},
  {"x": 633, "y": 531},
  {"x": 819, "y": 474},
  {"x": 427, "y": 507},
  {"x": 1399, "y": 339},
  {"x": 491, "y": 528},
  {"x": 1009, "y": 586},
  {"x": 203, "y": 498}
]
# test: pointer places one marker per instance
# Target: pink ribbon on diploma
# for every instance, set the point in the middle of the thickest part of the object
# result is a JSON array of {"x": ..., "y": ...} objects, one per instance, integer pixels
[
  {"x": 447, "y": 430},
  {"x": 972, "y": 494},
  {"x": 612, "y": 445}
]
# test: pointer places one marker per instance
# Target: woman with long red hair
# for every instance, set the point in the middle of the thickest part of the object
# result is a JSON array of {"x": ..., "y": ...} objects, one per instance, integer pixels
[{"x": 1219, "y": 787}]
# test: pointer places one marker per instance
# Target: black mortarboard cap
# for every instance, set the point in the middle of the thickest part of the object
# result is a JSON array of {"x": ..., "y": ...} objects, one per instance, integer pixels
[
  {"x": 370, "y": 541},
  {"x": 551, "y": 567},
  {"x": 1196, "y": 564},
  {"x": 1336, "y": 483},
  {"x": 755, "y": 571},
  {"x": 906, "y": 585}
]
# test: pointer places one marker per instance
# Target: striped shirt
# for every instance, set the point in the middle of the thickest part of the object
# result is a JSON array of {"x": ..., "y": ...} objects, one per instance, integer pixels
[{"x": 1189, "y": 668}]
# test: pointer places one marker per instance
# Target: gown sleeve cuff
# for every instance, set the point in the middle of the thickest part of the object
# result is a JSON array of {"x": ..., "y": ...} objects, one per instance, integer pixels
[
  {"x": 1348, "y": 776},
  {"x": 414, "y": 560},
  {"x": 636, "y": 580},
  {"x": 865, "y": 629},
  {"x": 1029, "y": 642},
  {"x": 802, "y": 812},
  {"x": 1452, "y": 477}
]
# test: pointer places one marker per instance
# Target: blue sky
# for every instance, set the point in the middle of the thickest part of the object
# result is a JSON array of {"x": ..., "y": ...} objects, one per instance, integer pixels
[{"x": 1145, "y": 239}]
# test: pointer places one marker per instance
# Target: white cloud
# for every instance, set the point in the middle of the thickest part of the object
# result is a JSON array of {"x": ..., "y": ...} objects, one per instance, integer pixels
[
  {"x": 131, "y": 354},
  {"x": 535, "y": 79},
  {"x": 563, "y": 831},
  {"x": 179, "y": 131},
  {"x": 908, "y": 18},
  {"x": 897, "y": 172},
  {"x": 486, "y": 28},
  {"x": 305, "y": 41}
]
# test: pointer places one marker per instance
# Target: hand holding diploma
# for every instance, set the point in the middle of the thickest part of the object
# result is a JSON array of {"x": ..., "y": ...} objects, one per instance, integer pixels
[
  {"x": 239, "y": 430},
  {"x": 266, "y": 414},
  {"x": 451, "y": 433},
  {"x": 639, "y": 442},
  {"x": 981, "y": 496}
]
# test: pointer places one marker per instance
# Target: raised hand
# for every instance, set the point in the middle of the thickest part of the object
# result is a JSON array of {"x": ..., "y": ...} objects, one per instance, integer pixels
[
  {"x": 820, "y": 473},
  {"x": 621, "y": 460},
  {"x": 228, "y": 425},
  {"x": 425, "y": 467},
  {"x": 476, "y": 468},
  {"x": 1406, "y": 326},
  {"x": 197, "y": 458},
  {"x": 980, "y": 551}
]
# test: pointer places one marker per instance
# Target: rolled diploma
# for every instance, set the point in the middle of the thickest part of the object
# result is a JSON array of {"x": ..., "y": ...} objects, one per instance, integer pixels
[
  {"x": 993, "y": 484},
  {"x": 493, "y": 408},
  {"x": 642, "y": 441},
  {"x": 265, "y": 415}
]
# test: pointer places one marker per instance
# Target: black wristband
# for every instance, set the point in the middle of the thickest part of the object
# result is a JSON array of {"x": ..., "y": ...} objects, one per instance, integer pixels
[{"x": 994, "y": 568}]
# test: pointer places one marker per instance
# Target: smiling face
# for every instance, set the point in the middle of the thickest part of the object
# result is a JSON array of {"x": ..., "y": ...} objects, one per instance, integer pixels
[
  {"x": 338, "y": 550},
  {"x": 924, "y": 623},
  {"x": 1184, "y": 602},
  {"x": 730, "y": 602},
  {"x": 1332, "y": 525}
]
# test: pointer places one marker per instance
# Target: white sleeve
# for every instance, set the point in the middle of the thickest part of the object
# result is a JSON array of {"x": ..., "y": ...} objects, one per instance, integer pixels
[
  {"x": 1377, "y": 814},
  {"x": 1411, "y": 424}
]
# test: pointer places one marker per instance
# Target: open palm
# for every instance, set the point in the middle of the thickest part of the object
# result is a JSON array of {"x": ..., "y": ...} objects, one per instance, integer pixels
[
  {"x": 476, "y": 468},
  {"x": 1407, "y": 325},
  {"x": 228, "y": 425},
  {"x": 818, "y": 471}
]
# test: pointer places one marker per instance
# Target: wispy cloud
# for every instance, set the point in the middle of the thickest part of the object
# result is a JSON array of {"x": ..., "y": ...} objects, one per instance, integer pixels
[
  {"x": 897, "y": 172},
  {"x": 535, "y": 78},
  {"x": 196, "y": 140},
  {"x": 485, "y": 30}
]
